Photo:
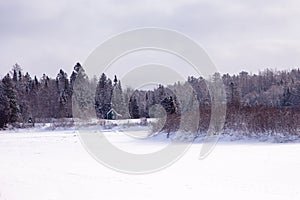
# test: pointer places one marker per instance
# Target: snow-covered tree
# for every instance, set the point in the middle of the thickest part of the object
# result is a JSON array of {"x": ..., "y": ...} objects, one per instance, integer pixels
[
  {"x": 118, "y": 101},
  {"x": 82, "y": 94}
]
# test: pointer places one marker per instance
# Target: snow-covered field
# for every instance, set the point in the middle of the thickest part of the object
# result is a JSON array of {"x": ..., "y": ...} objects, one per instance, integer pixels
[{"x": 54, "y": 165}]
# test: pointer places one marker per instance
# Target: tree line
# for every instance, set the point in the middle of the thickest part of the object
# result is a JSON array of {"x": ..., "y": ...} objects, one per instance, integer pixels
[{"x": 267, "y": 101}]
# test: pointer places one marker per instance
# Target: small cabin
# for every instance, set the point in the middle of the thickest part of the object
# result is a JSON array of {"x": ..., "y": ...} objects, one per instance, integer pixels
[{"x": 112, "y": 114}]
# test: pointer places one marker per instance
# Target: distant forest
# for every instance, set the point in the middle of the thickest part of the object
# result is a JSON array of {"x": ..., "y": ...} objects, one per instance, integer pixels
[{"x": 265, "y": 102}]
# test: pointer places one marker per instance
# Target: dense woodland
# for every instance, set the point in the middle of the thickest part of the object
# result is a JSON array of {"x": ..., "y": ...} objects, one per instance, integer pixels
[{"x": 258, "y": 103}]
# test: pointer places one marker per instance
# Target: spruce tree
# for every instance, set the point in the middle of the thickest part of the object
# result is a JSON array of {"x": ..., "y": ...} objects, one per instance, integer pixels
[
  {"x": 63, "y": 91},
  {"x": 103, "y": 96},
  {"x": 4, "y": 107},
  {"x": 10, "y": 93}
]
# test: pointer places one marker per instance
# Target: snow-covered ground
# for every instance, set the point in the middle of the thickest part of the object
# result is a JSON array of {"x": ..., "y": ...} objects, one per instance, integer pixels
[{"x": 52, "y": 165}]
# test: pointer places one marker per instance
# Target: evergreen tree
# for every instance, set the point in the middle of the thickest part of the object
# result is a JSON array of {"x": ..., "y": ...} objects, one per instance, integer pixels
[
  {"x": 82, "y": 94},
  {"x": 103, "y": 96},
  {"x": 134, "y": 108},
  {"x": 4, "y": 107},
  {"x": 33, "y": 99},
  {"x": 15, "y": 76},
  {"x": 24, "y": 89},
  {"x": 10, "y": 93},
  {"x": 63, "y": 91},
  {"x": 118, "y": 102},
  {"x": 44, "y": 107}
]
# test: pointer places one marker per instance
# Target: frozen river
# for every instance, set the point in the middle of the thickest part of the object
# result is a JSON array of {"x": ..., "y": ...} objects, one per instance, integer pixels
[{"x": 54, "y": 165}]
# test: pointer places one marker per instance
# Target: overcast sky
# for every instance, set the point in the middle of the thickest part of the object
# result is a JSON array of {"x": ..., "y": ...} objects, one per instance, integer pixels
[{"x": 46, "y": 35}]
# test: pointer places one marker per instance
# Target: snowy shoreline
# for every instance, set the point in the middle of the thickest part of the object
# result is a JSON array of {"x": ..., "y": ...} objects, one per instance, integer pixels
[{"x": 227, "y": 136}]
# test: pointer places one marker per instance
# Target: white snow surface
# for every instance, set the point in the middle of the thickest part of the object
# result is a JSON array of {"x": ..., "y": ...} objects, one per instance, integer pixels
[{"x": 39, "y": 164}]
